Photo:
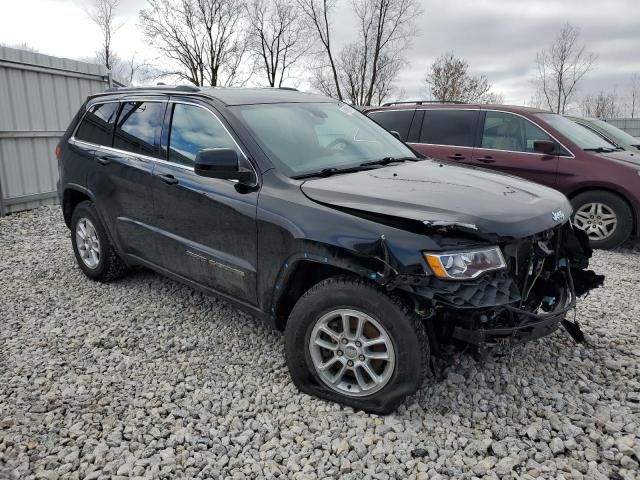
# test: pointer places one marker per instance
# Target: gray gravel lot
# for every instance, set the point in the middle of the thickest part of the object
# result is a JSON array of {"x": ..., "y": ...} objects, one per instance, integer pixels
[{"x": 145, "y": 377}]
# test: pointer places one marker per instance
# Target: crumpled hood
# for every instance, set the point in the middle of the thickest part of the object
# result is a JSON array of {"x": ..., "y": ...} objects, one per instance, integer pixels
[
  {"x": 624, "y": 157},
  {"x": 445, "y": 195}
]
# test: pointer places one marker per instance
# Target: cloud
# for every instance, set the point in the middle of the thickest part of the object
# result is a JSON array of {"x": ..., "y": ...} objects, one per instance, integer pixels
[{"x": 499, "y": 38}]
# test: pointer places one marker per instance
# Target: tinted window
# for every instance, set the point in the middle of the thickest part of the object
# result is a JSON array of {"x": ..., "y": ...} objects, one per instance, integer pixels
[
  {"x": 97, "y": 124},
  {"x": 504, "y": 131},
  {"x": 139, "y": 127},
  {"x": 614, "y": 132},
  {"x": 581, "y": 136},
  {"x": 194, "y": 129},
  {"x": 398, "y": 121},
  {"x": 449, "y": 127}
]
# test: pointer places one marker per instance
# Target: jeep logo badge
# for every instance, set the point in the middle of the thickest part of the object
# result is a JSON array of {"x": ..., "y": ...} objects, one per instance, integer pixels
[{"x": 557, "y": 216}]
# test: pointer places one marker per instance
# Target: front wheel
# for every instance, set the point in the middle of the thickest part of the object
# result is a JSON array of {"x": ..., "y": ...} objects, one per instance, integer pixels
[
  {"x": 349, "y": 342},
  {"x": 604, "y": 216}
]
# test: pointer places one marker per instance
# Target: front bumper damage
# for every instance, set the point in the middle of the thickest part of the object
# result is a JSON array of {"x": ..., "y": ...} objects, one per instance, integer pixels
[{"x": 530, "y": 299}]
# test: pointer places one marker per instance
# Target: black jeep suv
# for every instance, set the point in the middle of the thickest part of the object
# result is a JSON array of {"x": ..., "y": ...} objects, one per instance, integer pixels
[{"x": 304, "y": 212}]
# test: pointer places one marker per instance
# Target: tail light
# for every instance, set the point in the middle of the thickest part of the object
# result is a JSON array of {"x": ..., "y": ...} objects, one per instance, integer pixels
[{"x": 58, "y": 151}]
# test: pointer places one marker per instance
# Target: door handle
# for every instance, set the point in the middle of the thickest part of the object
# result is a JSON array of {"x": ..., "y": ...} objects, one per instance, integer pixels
[
  {"x": 487, "y": 159},
  {"x": 104, "y": 160},
  {"x": 456, "y": 156},
  {"x": 168, "y": 179}
]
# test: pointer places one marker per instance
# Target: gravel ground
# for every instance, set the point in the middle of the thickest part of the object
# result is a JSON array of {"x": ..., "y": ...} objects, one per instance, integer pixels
[{"x": 148, "y": 378}]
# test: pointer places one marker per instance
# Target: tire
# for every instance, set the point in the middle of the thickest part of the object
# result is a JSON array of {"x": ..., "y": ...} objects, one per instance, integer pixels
[
  {"x": 596, "y": 205},
  {"x": 359, "y": 300},
  {"x": 105, "y": 265}
]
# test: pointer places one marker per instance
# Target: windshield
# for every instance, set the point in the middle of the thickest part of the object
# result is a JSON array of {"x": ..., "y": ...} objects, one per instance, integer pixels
[
  {"x": 309, "y": 137},
  {"x": 581, "y": 136},
  {"x": 615, "y": 133}
]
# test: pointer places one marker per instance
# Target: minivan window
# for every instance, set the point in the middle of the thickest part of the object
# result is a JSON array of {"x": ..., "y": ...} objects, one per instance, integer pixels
[
  {"x": 394, "y": 121},
  {"x": 306, "y": 137},
  {"x": 139, "y": 126},
  {"x": 97, "y": 125},
  {"x": 615, "y": 133},
  {"x": 505, "y": 131},
  {"x": 449, "y": 127},
  {"x": 581, "y": 136},
  {"x": 193, "y": 129}
]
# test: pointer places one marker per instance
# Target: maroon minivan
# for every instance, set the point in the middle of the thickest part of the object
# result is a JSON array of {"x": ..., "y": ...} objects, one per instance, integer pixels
[{"x": 601, "y": 180}]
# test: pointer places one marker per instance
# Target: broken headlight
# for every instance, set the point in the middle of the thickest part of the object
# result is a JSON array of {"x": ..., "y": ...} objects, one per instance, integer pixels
[{"x": 465, "y": 265}]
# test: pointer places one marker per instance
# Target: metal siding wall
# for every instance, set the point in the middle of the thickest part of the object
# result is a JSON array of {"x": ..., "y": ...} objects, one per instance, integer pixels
[
  {"x": 36, "y": 100},
  {"x": 629, "y": 125}
]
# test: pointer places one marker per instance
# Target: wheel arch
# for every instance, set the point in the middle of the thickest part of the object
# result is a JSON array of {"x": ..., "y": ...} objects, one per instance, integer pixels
[
  {"x": 303, "y": 271},
  {"x": 71, "y": 197},
  {"x": 296, "y": 279}
]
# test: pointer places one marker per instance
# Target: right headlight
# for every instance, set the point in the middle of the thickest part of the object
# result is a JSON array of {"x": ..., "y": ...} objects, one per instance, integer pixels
[{"x": 465, "y": 265}]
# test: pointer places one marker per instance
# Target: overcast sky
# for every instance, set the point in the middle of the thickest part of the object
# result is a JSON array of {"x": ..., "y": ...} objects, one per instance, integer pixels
[{"x": 499, "y": 38}]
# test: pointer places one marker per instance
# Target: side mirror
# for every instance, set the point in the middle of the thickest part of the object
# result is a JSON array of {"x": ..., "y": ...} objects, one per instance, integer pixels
[
  {"x": 395, "y": 134},
  {"x": 546, "y": 147},
  {"x": 220, "y": 163}
]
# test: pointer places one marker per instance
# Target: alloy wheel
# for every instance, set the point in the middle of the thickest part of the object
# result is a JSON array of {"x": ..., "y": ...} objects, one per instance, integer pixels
[
  {"x": 88, "y": 243},
  {"x": 352, "y": 352}
]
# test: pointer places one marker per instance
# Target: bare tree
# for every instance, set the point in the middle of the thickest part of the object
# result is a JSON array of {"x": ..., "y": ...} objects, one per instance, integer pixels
[
  {"x": 317, "y": 13},
  {"x": 21, "y": 46},
  {"x": 634, "y": 93},
  {"x": 384, "y": 88},
  {"x": 493, "y": 98},
  {"x": 133, "y": 70},
  {"x": 201, "y": 37},
  {"x": 561, "y": 67},
  {"x": 386, "y": 28},
  {"x": 450, "y": 81},
  {"x": 601, "y": 105},
  {"x": 354, "y": 78},
  {"x": 103, "y": 14},
  {"x": 277, "y": 37}
]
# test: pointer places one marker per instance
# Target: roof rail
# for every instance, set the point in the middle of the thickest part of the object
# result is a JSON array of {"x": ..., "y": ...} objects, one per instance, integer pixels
[
  {"x": 281, "y": 88},
  {"x": 422, "y": 102},
  {"x": 179, "y": 88}
]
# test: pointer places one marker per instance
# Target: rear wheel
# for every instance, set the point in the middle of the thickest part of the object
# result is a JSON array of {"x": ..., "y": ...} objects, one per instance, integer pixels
[
  {"x": 349, "y": 342},
  {"x": 604, "y": 216},
  {"x": 92, "y": 247}
]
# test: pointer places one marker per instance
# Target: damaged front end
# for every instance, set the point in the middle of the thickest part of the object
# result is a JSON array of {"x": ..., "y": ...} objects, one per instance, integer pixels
[{"x": 528, "y": 297}]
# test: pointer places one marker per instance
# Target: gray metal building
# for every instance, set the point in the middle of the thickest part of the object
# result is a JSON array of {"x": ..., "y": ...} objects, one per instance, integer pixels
[
  {"x": 629, "y": 125},
  {"x": 39, "y": 95}
]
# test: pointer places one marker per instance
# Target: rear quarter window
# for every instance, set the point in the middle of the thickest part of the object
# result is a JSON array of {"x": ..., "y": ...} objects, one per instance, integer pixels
[
  {"x": 394, "y": 121},
  {"x": 97, "y": 125}
]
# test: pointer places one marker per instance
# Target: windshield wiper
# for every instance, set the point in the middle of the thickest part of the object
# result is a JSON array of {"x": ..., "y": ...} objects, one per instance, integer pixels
[
  {"x": 388, "y": 160},
  {"x": 327, "y": 172},
  {"x": 600, "y": 150}
]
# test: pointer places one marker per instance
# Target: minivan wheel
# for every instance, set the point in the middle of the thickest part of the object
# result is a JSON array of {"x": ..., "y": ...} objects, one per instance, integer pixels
[
  {"x": 348, "y": 341},
  {"x": 604, "y": 216},
  {"x": 92, "y": 247}
]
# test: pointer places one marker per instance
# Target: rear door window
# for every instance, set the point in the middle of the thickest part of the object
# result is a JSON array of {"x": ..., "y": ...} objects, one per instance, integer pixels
[
  {"x": 449, "y": 127},
  {"x": 394, "y": 121},
  {"x": 97, "y": 125},
  {"x": 139, "y": 127}
]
